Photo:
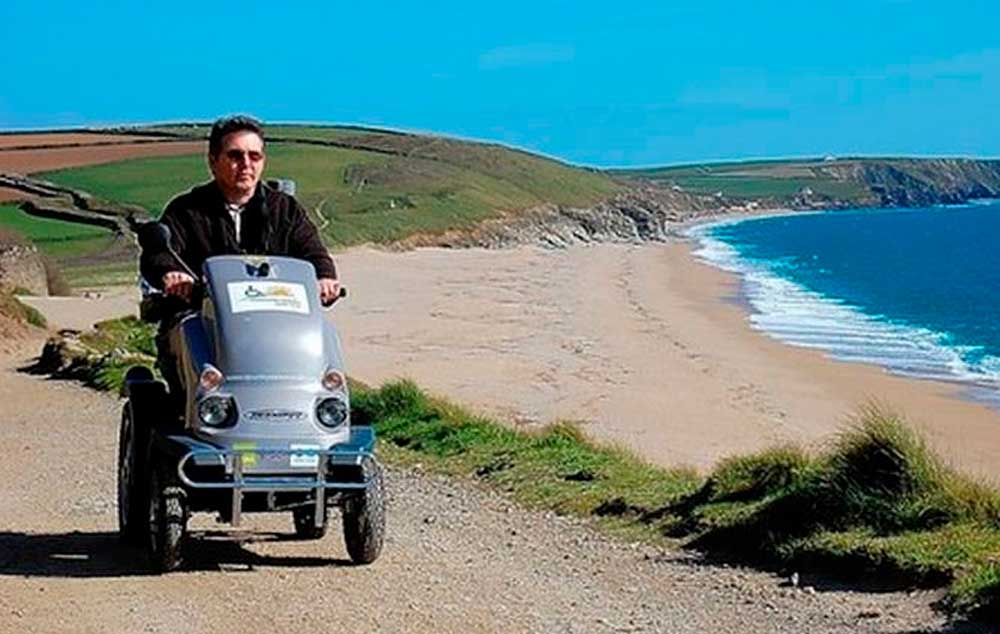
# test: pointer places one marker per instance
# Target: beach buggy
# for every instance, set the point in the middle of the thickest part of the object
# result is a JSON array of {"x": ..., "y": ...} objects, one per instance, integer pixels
[{"x": 264, "y": 424}]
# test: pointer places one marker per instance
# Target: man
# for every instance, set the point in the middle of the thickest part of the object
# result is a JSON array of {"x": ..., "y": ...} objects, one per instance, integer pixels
[
  {"x": 232, "y": 214},
  {"x": 236, "y": 214}
]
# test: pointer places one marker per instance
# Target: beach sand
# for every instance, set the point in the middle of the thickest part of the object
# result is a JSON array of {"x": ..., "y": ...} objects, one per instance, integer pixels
[{"x": 642, "y": 346}]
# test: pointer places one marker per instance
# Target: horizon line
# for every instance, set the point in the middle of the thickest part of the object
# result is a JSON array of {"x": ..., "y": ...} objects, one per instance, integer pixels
[{"x": 534, "y": 152}]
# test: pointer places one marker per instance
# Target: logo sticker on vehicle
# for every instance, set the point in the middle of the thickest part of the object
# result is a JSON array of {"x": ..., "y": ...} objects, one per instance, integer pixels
[{"x": 274, "y": 296}]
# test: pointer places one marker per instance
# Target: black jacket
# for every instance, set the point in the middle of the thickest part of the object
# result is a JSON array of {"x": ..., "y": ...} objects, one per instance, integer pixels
[{"x": 273, "y": 223}]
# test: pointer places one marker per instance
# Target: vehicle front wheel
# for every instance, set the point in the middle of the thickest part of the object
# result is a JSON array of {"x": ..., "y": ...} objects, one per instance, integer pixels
[
  {"x": 305, "y": 523},
  {"x": 364, "y": 517},
  {"x": 168, "y": 516}
]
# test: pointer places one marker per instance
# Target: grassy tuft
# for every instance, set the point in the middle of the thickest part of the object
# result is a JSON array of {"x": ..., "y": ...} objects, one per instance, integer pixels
[
  {"x": 879, "y": 502},
  {"x": 758, "y": 475}
]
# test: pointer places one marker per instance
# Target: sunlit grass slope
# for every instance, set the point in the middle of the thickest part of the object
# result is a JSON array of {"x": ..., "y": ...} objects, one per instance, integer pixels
[
  {"x": 378, "y": 187},
  {"x": 55, "y": 238}
]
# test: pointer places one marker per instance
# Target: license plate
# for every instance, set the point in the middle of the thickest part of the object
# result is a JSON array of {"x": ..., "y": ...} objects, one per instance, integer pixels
[{"x": 306, "y": 460}]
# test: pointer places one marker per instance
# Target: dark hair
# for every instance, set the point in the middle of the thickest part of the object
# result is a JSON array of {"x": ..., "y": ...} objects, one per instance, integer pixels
[{"x": 227, "y": 125}]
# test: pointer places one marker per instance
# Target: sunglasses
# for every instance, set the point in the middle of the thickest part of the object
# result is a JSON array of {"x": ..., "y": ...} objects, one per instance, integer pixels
[{"x": 252, "y": 156}]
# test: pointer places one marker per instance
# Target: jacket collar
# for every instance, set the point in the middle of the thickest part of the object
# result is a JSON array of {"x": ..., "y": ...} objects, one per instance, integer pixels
[{"x": 212, "y": 190}]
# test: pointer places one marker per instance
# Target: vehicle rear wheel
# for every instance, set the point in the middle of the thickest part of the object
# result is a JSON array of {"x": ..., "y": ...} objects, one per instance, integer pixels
[
  {"x": 132, "y": 496},
  {"x": 364, "y": 517},
  {"x": 305, "y": 523},
  {"x": 168, "y": 515}
]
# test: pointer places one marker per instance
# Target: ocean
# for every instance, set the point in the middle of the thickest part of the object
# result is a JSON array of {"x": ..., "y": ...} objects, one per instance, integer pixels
[{"x": 916, "y": 291}]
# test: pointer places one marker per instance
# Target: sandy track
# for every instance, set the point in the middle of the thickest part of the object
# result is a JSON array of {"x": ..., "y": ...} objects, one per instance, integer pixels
[{"x": 457, "y": 559}]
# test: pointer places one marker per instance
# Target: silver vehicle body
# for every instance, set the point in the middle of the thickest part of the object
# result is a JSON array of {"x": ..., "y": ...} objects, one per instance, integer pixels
[
  {"x": 268, "y": 336},
  {"x": 262, "y": 327}
]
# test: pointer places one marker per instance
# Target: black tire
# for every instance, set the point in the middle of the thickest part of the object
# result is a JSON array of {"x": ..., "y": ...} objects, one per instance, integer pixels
[
  {"x": 138, "y": 373},
  {"x": 132, "y": 495},
  {"x": 364, "y": 518},
  {"x": 167, "y": 517},
  {"x": 305, "y": 524}
]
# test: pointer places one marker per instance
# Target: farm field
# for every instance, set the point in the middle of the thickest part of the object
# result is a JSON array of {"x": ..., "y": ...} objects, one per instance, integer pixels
[
  {"x": 360, "y": 196},
  {"x": 55, "y": 238},
  {"x": 756, "y": 179}
]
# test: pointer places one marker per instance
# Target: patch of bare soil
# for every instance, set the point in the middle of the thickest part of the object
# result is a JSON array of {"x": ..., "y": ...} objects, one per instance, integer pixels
[
  {"x": 30, "y": 161},
  {"x": 7, "y": 194},
  {"x": 68, "y": 138},
  {"x": 13, "y": 333}
]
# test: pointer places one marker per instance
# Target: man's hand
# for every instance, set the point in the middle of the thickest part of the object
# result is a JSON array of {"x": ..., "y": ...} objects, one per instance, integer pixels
[
  {"x": 329, "y": 290},
  {"x": 178, "y": 284}
]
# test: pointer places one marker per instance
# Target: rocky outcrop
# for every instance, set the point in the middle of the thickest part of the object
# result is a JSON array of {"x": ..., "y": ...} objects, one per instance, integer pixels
[
  {"x": 921, "y": 182},
  {"x": 639, "y": 214},
  {"x": 21, "y": 267}
]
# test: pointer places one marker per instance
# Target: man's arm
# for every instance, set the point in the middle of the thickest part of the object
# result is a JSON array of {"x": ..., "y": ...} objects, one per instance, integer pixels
[{"x": 160, "y": 268}]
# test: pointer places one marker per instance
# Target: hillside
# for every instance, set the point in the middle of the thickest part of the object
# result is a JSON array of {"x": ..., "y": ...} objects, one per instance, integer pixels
[
  {"x": 367, "y": 186},
  {"x": 833, "y": 182}
]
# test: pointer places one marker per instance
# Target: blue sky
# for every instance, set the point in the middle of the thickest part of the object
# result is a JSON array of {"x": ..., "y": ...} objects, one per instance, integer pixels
[{"x": 610, "y": 83}]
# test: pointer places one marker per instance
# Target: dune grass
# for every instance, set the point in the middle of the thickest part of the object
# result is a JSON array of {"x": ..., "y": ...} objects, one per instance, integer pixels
[{"x": 877, "y": 506}]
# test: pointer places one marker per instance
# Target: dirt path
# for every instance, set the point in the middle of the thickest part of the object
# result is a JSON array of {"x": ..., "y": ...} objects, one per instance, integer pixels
[{"x": 457, "y": 559}]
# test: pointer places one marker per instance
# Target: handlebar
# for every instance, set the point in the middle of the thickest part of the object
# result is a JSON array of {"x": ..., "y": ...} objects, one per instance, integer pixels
[{"x": 341, "y": 295}]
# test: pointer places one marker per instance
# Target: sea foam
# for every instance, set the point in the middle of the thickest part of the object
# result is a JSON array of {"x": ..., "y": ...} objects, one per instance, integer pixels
[{"x": 802, "y": 317}]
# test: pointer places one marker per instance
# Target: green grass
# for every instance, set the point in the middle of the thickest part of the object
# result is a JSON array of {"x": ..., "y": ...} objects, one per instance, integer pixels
[
  {"x": 148, "y": 182},
  {"x": 112, "y": 347},
  {"x": 766, "y": 187},
  {"x": 778, "y": 179},
  {"x": 878, "y": 505},
  {"x": 102, "y": 275},
  {"x": 55, "y": 238},
  {"x": 367, "y": 196}
]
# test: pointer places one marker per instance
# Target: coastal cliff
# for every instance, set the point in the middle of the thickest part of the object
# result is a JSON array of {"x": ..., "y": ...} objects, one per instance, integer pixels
[{"x": 922, "y": 182}]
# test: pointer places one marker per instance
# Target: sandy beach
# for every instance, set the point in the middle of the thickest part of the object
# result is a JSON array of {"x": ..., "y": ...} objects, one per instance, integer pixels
[{"x": 641, "y": 345}]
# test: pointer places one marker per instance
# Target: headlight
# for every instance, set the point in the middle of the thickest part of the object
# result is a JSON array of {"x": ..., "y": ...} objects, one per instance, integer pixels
[
  {"x": 216, "y": 411},
  {"x": 332, "y": 411}
]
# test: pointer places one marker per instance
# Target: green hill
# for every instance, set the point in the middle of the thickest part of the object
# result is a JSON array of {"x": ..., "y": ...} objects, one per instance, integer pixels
[
  {"x": 367, "y": 186},
  {"x": 843, "y": 182}
]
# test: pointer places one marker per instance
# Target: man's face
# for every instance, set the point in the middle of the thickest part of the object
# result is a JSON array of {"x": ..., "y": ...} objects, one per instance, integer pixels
[{"x": 239, "y": 164}]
